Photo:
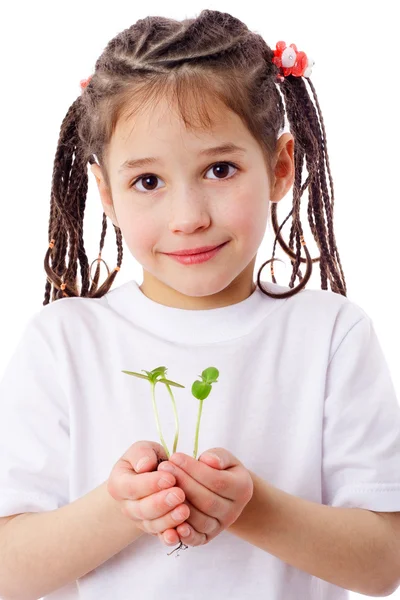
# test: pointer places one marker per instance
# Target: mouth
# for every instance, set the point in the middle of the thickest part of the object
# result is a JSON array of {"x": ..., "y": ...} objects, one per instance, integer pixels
[
  {"x": 195, "y": 251},
  {"x": 199, "y": 257}
]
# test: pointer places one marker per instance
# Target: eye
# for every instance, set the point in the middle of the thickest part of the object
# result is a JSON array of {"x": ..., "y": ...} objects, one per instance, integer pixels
[
  {"x": 149, "y": 179},
  {"x": 224, "y": 164}
]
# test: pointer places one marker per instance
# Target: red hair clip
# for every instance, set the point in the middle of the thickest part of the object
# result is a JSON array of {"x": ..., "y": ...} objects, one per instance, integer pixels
[
  {"x": 292, "y": 62},
  {"x": 85, "y": 82}
]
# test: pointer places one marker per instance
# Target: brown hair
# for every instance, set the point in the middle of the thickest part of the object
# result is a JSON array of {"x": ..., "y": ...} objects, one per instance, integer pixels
[{"x": 197, "y": 62}]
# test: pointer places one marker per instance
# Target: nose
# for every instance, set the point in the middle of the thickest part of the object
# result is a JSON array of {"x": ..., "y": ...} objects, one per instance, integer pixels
[{"x": 189, "y": 211}]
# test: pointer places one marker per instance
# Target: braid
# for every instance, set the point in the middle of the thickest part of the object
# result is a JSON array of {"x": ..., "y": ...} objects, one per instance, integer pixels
[
  {"x": 67, "y": 207},
  {"x": 310, "y": 145},
  {"x": 213, "y": 57}
]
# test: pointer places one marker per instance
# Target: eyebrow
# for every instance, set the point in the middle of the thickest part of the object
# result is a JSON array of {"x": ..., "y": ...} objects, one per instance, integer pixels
[{"x": 228, "y": 148}]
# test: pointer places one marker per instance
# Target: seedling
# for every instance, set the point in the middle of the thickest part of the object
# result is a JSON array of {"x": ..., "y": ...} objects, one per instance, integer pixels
[
  {"x": 155, "y": 376},
  {"x": 200, "y": 390}
]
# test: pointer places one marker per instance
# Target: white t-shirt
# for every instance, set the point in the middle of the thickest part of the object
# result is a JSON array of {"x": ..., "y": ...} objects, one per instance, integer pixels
[{"x": 304, "y": 399}]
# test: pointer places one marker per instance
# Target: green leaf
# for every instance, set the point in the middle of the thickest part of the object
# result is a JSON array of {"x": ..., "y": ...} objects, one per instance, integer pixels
[
  {"x": 159, "y": 371},
  {"x": 169, "y": 382},
  {"x": 210, "y": 375},
  {"x": 154, "y": 376},
  {"x": 201, "y": 390},
  {"x": 136, "y": 374}
]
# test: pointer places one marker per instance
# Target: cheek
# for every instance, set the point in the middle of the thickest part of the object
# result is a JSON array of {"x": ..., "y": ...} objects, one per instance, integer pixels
[
  {"x": 249, "y": 219},
  {"x": 140, "y": 234}
]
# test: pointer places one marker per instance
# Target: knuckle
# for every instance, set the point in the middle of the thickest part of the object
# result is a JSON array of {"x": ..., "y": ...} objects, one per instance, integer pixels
[
  {"x": 212, "y": 504},
  {"x": 220, "y": 484}
]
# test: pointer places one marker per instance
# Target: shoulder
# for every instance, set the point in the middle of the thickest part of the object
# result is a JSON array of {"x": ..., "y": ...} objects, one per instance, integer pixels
[
  {"x": 66, "y": 308},
  {"x": 64, "y": 319},
  {"x": 321, "y": 304},
  {"x": 319, "y": 316}
]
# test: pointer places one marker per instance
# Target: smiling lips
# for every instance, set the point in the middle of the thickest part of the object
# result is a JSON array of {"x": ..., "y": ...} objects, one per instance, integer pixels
[
  {"x": 191, "y": 259},
  {"x": 192, "y": 251}
]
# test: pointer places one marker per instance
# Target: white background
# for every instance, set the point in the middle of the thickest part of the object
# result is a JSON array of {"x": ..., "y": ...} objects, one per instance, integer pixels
[{"x": 47, "y": 48}]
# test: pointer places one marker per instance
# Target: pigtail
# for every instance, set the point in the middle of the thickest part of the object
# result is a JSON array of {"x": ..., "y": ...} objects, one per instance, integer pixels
[
  {"x": 67, "y": 207},
  {"x": 307, "y": 128}
]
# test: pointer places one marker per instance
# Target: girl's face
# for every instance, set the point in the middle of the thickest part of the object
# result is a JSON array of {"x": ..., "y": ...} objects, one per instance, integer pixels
[{"x": 188, "y": 196}]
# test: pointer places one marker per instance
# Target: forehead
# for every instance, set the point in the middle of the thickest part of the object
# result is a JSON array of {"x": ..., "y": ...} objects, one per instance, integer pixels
[
  {"x": 163, "y": 124},
  {"x": 193, "y": 119}
]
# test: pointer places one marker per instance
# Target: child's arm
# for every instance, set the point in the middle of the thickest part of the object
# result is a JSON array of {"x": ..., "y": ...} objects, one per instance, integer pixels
[
  {"x": 56, "y": 547},
  {"x": 350, "y": 547}
]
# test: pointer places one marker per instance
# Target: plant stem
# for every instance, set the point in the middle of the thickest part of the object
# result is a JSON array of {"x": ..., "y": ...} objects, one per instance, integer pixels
[
  {"x": 196, "y": 441},
  {"x": 176, "y": 420},
  {"x": 158, "y": 419}
]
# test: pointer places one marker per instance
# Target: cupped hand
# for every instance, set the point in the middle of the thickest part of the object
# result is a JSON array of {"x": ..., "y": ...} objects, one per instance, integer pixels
[
  {"x": 217, "y": 488},
  {"x": 148, "y": 497}
]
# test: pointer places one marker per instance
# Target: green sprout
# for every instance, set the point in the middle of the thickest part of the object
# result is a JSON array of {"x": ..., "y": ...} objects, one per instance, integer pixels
[
  {"x": 200, "y": 390},
  {"x": 155, "y": 376}
]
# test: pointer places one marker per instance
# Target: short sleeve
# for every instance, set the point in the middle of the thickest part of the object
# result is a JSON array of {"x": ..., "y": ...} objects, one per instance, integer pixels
[
  {"x": 361, "y": 432},
  {"x": 34, "y": 427}
]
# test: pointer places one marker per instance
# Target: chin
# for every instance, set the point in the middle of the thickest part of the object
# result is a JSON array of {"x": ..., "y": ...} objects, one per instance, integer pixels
[{"x": 196, "y": 286}]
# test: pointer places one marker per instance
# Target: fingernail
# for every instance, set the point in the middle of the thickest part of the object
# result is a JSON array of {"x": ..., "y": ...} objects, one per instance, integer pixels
[
  {"x": 143, "y": 461},
  {"x": 177, "y": 514},
  {"x": 172, "y": 499},
  {"x": 166, "y": 467},
  {"x": 213, "y": 456},
  {"x": 164, "y": 483},
  {"x": 185, "y": 531}
]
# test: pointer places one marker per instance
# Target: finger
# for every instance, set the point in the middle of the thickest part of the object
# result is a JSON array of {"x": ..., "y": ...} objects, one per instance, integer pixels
[
  {"x": 156, "y": 505},
  {"x": 191, "y": 537},
  {"x": 197, "y": 530},
  {"x": 187, "y": 531},
  {"x": 145, "y": 456},
  {"x": 221, "y": 482},
  {"x": 128, "y": 485},
  {"x": 219, "y": 458},
  {"x": 169, "y": 537},
  {"x": 201, "y": 523},
  {"x": 200, "y": 496},
  {"x": 166, "y": 522}
]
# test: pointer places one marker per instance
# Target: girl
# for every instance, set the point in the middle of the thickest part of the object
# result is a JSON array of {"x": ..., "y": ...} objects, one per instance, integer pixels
[{"x": 298, "y": 495}]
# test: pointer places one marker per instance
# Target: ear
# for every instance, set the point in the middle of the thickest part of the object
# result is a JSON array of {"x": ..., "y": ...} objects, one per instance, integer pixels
[
  {"x": 283, "y": 167},
  {"x": 105, "y": 193}
]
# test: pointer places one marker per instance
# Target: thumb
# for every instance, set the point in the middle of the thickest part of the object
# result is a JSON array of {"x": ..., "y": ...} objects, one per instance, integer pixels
[
  {"x": 145, "y": 456},
  {"x": 218, "y": 458}
]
